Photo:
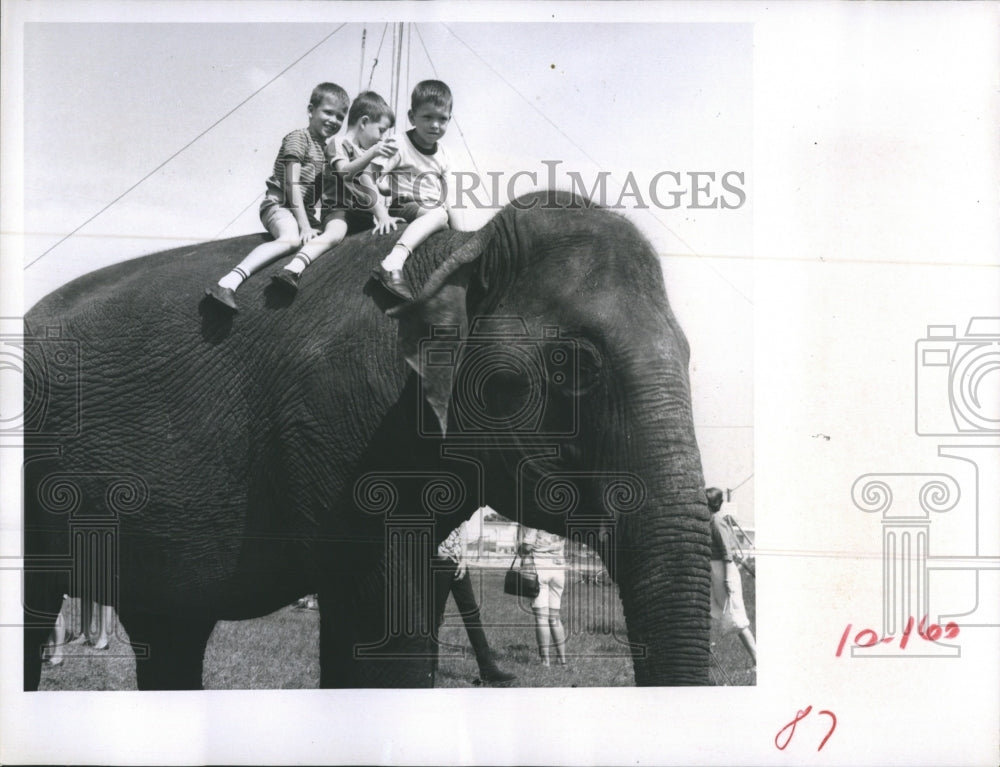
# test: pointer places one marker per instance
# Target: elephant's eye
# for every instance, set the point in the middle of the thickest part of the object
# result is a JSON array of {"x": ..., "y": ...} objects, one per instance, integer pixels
[{"x": 584, "y": 372}]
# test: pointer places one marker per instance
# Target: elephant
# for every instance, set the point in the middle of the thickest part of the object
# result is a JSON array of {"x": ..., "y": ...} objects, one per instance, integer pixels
[{"x": 191, "y": 465}]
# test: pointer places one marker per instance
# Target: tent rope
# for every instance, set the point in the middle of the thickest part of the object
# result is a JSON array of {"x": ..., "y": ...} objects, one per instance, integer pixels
[
  {"x": 183, "y": 148},
  {"x": 361, "y": 72},
  {"x": 377, "y": 54},
  {"x": 237, "y": 216},
  {"x": 399, "y": 64},
  {"x": 409, "y": 48},
  {"x": 423, "y": 45}
]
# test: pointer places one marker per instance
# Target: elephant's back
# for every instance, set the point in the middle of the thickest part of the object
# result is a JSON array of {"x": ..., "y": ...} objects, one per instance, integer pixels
[
  {"x": 170, "y": 273},
  {"x": 165, "y": 292},
  {"x": 163, "y": 380},
  {"x": 154, "y": 310}
]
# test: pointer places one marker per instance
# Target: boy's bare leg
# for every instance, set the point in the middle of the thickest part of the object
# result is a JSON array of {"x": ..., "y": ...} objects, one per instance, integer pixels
[
  {"x": 259, "y": 257},
  {"x": 331, "y": 236},
  {"x": 428, "y": 221},
  {"x": 390, "y": 271},
  {"x": 286, "y": 239}
]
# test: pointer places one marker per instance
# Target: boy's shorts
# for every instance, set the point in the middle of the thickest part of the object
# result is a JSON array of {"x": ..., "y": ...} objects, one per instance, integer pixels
[
  {"x": 274, "y": 215},
  {"x": 408, "y": 210},
  {"x": 405, "y": 210},
  {"x": 357, "y": 220}
]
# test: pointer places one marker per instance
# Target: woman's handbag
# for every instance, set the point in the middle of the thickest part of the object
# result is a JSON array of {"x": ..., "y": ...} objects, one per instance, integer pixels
[{"x": 521, "y": 582}]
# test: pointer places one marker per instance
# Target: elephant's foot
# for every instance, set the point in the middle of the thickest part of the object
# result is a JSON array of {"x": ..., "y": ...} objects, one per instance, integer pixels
[
  {"x": 348, "y": 661},
  {"x": 170, "y": 650}
]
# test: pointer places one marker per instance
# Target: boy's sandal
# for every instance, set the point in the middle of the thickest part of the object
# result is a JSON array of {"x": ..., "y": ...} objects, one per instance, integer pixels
[{"x": 225, "y": 296}]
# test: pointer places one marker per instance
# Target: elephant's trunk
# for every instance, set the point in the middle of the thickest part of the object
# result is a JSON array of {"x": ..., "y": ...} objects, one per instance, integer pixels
[
  {"x": 664, "y": 581},
  {"x": 663, "y": 568}
]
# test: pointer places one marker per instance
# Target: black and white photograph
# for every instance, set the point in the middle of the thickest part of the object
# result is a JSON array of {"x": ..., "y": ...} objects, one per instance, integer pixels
[{"x": 372, "y": 367}]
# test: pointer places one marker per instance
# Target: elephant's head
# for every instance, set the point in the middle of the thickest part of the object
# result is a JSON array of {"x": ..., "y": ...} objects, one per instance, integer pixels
[{"x": 546, "y": 343}]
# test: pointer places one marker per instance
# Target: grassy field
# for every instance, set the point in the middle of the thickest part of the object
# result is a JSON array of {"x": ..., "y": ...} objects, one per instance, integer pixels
[{"x": 280, "y": 651}]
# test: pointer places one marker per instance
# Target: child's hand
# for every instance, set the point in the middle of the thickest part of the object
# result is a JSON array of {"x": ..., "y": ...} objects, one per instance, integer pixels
[
  {"x": 386, "y": 147},
  {"x": 386, "y": 225},
  {"x": 308, "y": 233}
]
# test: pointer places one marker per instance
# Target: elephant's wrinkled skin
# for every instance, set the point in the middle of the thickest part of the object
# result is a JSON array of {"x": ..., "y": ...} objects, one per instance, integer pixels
[{"x": 236, "y": 462}]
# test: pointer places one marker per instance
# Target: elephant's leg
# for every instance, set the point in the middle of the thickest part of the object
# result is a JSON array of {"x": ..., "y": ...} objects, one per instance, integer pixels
[
  {"x": 174, "y": 648},
  {"x": 367, "y": 642},
  {"x": 336, "y": 667},
  {"x": 358, "y": 648}
]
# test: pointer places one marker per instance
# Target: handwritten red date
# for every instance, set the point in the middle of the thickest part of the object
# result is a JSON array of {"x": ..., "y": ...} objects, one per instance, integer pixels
[{"x": 868, "y": 638}]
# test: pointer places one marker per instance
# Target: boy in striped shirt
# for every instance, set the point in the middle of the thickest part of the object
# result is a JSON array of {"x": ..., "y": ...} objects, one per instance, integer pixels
[{"x": 288, "y": 211}]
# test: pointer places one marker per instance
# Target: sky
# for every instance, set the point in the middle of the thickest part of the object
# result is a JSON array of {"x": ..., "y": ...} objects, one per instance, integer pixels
[{"x": 163, "y": 135}]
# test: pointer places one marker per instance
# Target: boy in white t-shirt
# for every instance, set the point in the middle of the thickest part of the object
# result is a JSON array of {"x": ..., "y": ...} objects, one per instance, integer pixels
[{"x": 415, "y": 176}]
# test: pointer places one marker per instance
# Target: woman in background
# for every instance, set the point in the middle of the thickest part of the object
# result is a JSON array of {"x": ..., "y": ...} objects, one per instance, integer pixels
[{"x": 547, "y": 552}]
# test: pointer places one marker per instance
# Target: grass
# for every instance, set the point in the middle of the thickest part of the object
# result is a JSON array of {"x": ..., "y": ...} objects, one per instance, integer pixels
[{"x": 280, "y": 651}]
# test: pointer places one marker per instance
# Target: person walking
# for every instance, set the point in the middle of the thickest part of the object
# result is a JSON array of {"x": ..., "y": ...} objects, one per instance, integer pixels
[{"x": 451, "y": 576}]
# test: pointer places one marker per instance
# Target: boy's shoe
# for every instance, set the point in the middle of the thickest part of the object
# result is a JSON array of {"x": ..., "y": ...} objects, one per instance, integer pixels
[
  {"x": 225, "y": 296},
  {"x": 394, "y": 282},
  {"x": 287, "y": 280}
]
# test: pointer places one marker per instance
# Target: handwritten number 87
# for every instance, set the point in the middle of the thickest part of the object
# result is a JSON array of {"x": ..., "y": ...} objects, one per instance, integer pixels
[{"x": 790, "y": 728}]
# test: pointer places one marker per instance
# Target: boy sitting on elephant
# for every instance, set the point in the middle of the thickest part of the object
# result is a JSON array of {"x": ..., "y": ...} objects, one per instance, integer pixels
[
  {"x": 416, "y": 181},
  {"x": 350, "y": 198},
  {"x": 288, "y": 211}
]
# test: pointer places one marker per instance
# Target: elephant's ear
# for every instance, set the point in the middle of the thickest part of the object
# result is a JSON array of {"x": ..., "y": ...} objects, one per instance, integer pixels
[{"x": 434, "y": 324}]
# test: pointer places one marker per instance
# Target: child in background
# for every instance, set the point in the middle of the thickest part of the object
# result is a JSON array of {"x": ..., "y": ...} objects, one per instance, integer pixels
[
  {"x": 727, "y": 585},
  {"x": 350, "y": 197},
  {"x": 288, "y": 211},
  {"x": 417, "y": 187}
]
